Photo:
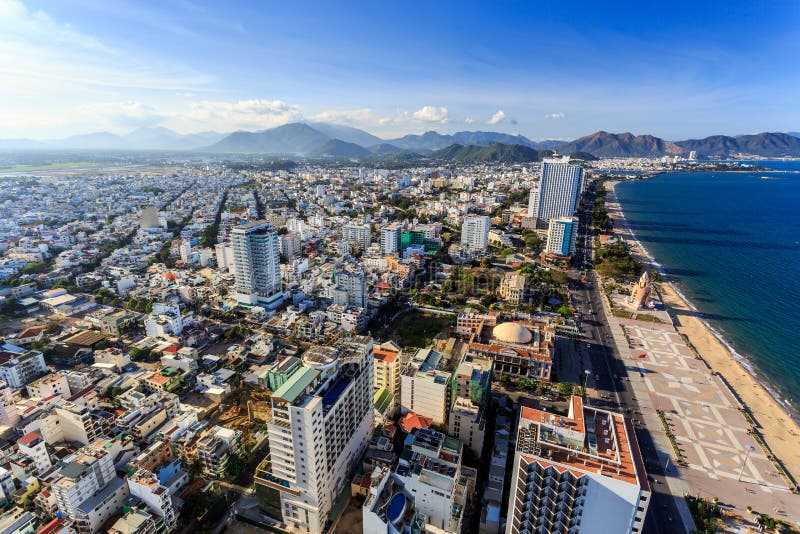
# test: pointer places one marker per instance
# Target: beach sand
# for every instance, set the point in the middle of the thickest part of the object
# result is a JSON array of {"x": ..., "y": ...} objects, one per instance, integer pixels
[{"x": 778, "y": 429}]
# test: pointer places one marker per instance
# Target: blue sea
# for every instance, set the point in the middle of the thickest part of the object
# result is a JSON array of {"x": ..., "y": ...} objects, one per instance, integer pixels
[{"x": 732, "y": 243}]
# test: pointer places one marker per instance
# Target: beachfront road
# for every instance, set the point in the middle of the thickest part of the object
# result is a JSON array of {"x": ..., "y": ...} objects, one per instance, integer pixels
[{"x": 609, "y": 387}]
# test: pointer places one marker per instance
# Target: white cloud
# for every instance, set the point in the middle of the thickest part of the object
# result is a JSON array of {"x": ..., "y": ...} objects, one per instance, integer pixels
[
  {"x": 469, "y": 120},
  {"x": 559, "y": 115},
  {"x": 241, "y": 115},
  {"x": 352, "y": 117},
  {"x": 128, "y": 114},
  {"x": 431, "y": 114},
  {"x": 497, "y": 118}
]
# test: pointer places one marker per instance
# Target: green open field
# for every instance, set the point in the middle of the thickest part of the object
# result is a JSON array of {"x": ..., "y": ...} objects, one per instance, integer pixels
[{"x": 417, "y": 329}]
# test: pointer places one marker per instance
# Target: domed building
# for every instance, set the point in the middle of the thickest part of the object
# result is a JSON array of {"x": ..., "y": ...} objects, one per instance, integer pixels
[
  {"x": 520, "y": 348},
  {"x": 512, "y": 333}
]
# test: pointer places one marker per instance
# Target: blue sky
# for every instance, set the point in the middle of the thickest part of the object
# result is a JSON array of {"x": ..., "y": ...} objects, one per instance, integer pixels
[{"x": 543, "y": 69}]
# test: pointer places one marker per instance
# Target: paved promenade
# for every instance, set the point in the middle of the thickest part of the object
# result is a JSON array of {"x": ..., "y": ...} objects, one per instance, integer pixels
[{"x": 723, "y": 459}]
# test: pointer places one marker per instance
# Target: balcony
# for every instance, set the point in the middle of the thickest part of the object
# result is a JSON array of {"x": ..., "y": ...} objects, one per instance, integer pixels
[{"x": 265, "y": 477}]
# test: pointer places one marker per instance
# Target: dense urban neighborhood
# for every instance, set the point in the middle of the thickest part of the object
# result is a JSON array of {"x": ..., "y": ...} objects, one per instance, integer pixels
[{"x": 330, "y": 347}]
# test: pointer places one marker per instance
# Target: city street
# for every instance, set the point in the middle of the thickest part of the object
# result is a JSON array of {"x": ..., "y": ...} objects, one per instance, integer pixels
[{"x": 609, "y": 387}]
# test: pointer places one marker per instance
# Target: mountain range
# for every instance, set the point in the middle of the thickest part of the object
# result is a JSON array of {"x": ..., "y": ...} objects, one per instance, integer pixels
[{"x": 324, "y": 140}]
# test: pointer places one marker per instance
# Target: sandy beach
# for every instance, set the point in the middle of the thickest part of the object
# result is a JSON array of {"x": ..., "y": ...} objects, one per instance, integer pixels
[{"x": 778, "y": 429}]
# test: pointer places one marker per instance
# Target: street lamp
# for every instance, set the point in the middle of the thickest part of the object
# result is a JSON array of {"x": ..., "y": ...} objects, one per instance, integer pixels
[
  {"x": 585, "y": 383},
  {"x": 750, "y": 449}
]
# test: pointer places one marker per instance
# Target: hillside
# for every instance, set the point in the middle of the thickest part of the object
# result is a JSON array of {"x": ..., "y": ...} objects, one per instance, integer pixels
[
  {"x": 347, "y": 134},
  {"x": 435, "y": 141},
  {"x": 336, "y": 148},
  {"x": 765, "y": 144},
  {"x": 293, "y": 138},
  {"x": 625, "y": 145},
  {"x": 496, "y": 153}
]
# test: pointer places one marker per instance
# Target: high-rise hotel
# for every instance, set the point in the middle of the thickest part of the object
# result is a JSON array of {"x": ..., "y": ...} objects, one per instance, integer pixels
[
  {"x": 322, "y": 420},
  {"x": 256, "y": 258},
  {"x": 582, "y": 473},
  {"x": 558, "y": 193}
]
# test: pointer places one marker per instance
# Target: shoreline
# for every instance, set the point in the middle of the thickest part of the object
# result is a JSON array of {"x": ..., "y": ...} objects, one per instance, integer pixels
[{"x": 776, "y": 419}]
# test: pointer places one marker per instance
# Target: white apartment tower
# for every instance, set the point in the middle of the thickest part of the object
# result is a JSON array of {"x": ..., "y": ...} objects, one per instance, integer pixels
[
  {"x": 475, "y": 233},
  {"x": 390, "y": 238},
  {"x": 357, "y": 233},
  {"x": 322, "y": 420},
  {"x": 559, "y": 191},
  {"x": 582, "y": 473},
  {"x": 256, "y": 260}
]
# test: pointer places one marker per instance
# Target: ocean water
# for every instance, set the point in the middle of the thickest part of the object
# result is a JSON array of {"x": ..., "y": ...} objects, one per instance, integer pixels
[{"x": 732, "y": 243}]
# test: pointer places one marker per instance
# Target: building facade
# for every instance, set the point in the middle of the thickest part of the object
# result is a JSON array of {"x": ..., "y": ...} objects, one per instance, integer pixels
[
  {"x": 582, "y": 473},
  {"x": 256, "y": 258},
  {"x": 322, "y": 420},
  {"x": 561, "y": 235},
  {"x": 560, "y": 189},
  {"x": 475, "y": 233},
  {"x": 425, "y": 386}
]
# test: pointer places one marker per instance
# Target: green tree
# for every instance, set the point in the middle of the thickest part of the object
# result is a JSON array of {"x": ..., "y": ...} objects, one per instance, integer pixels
[
  {"x": 236, "y": 465},
  {"x": 52, "y": 328},
  {"x": 564, "y": 388}
]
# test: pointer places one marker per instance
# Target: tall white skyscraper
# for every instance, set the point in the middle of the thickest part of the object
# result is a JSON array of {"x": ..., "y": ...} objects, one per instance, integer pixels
[
  {"x": 559, "y": 191},
  {"x": 390, "y": 238},
  {"x": 256, "y": 258},
  {"x": 322, "y": 421},
  {"x": 475, "y": 233},
  {"x": 561, "y": 235}
]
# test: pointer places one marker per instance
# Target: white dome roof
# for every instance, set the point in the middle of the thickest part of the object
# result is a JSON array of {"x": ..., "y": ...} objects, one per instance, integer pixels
[{"x": 512, "y": 333}]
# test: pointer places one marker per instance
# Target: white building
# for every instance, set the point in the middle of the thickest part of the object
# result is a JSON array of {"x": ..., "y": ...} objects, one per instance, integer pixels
[
  {"x": 9, "y": 413},
  {"x": 561, "y": 235},
  {"x": 224, "y": 254},
  {"x": 390, "y": 238},
  {"x": 360, "y": 234},
  {"x": 87, "y": 489},
  {"x": 186, "y": 251},
  {"x": 322, "y": 420},
  {"x": 112, "y": 356},
  {"x": 164, "y": 320},
  {"x": 425, "y": 386},
  {"x": 290, "y": 245},
  {"x": 146, "y": 487},
  {"x": 257, "y": 264},
  {"x": 351, "y": 288},
  {"x": 512, "y": 288},
  {"x": 560, "y": 189},
  {"x": 475, "y": 233},
  {"x": 581, "y": 473},
  {"x": 34, "y": 447},
  {"x": 20, "y": 367},
  {"x": 533, "y": 202},
  {"x": 53, "y": 384}
]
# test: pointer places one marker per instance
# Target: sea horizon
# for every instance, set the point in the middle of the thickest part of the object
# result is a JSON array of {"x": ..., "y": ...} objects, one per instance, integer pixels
[{"x": 728, "y": 243}]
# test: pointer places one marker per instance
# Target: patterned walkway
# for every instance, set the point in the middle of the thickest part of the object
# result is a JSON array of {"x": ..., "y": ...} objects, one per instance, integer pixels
[{"x": 704, "y": 417}]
